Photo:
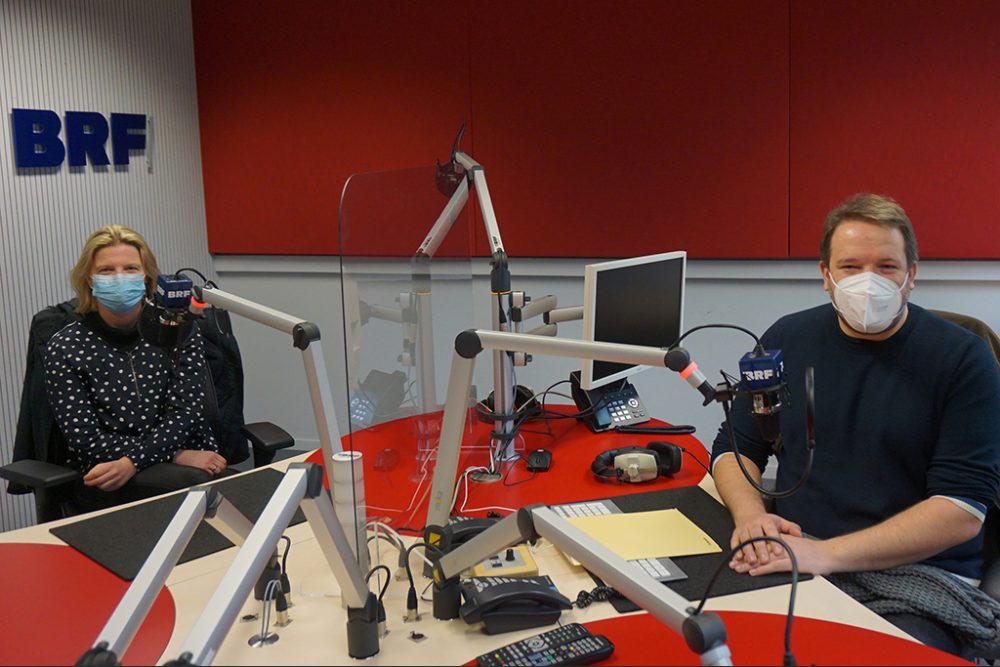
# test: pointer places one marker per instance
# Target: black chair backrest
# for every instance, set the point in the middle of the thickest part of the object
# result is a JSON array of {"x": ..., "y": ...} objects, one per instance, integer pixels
[
  {"x": 38, "y": 436},
  {"x": 225, "y": 364}
]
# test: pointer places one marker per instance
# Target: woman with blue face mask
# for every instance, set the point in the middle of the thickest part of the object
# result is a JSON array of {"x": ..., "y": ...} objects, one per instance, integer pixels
[{"x": 125, "y": 407}]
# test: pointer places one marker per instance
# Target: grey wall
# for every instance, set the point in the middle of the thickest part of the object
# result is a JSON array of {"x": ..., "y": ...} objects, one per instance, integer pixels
[{"x": 133, "y": 56}]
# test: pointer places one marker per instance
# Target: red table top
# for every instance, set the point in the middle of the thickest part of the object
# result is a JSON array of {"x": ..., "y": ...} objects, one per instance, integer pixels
[
  {"x": 758, "y": 639},
  {"x": 397, "y": 483},
  {"x": 60, "y": 600}
]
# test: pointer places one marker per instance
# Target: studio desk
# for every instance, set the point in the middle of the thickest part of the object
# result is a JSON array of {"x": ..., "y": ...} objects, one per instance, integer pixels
[{"x": 59, "y": 599}]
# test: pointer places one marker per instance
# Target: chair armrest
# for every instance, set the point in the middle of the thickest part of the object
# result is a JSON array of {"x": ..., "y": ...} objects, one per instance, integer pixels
[
  {"x": 991, "y": 581},
  {"x": 38, "y": 474},
  {"x": 266, "y": 439},
  {"x": 267, "y": 436}
]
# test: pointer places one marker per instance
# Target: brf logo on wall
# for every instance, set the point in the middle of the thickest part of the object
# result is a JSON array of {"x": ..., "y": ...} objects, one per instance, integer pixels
[{"x": 39, "y": 140}]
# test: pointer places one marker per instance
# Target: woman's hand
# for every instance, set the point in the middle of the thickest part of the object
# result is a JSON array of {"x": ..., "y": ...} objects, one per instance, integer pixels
[
  {"x": 110, "y": 475},
  {"x": 210, "y": 462}
]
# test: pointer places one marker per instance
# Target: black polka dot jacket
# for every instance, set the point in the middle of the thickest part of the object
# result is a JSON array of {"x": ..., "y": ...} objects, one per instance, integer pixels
[{"x": 120, "y": 396}]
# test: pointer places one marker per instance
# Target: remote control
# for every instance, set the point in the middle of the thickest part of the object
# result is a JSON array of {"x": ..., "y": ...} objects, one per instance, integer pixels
[{"x": 571, "y": 644}]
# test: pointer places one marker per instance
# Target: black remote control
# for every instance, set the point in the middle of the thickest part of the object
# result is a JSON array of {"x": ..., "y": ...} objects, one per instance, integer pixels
[{"x": 570, "y": 644}]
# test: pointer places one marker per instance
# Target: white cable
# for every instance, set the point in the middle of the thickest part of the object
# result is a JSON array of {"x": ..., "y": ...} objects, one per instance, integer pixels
[
  {"x": 412, "y": 499},
  {"x": 265, "y": 617},
  {"x": 399, "y": 539},
  {"x": 377, "y": 525},
  {"x": 464, "y": 477},
  {"x": 491, "y": 507}
]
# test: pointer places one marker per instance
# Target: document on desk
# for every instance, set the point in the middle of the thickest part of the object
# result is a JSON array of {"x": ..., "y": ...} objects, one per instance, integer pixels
[{"x": 634, "y": 535}]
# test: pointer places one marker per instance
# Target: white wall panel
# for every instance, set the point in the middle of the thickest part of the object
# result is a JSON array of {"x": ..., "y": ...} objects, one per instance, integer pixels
[
  {"x": 130, "y": 56},
  {"x": 752, "y": 294}
]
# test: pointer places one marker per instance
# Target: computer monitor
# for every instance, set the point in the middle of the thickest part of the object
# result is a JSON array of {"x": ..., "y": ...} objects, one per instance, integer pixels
[{"x": 637, "y": 301}]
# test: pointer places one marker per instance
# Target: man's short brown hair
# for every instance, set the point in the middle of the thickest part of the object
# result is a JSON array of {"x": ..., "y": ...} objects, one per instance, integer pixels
[{"x": 876, "y": 209}]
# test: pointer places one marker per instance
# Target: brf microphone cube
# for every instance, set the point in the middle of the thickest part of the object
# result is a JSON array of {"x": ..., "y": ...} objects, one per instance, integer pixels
[
  {"x": 173, "y": 292},
  {"x": 762, "y": 371}
]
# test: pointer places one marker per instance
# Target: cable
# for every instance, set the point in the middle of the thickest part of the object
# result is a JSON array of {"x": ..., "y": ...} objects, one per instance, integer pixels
[
  {"x": 424, "y": 592},
  {"x": 513, "y": 464},
  {"x": 730, "y": 384},
  {"x": 789, "y": 658},
  {"x": 694, "y": 458},
  {"x": 265, "y": 620},
  {"x": 411, "y": 594},
  {"x": 425, "y": 545},
  {"x": 388, "y": 577},
  {"x": 284, "y": 556},
  {"x": 598, "y": 594},
  {"x": 679, "y": 429},
  {"x": 746, "y": 473},
  {"x": 713, "y": 326},
  {"x": 464, "y": 477}
]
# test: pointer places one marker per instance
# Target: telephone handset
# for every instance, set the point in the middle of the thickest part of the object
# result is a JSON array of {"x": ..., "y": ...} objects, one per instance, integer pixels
[
  {"x": 505, "y": 604},
  {"x": 608, "y": 407}
]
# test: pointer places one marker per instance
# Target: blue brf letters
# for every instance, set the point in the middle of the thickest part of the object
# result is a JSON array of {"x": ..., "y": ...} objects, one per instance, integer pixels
[{"x": 37, "y": 142}]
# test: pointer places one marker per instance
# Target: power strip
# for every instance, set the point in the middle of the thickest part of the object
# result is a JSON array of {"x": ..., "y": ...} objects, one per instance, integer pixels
[{"x": 513, "y": 562}]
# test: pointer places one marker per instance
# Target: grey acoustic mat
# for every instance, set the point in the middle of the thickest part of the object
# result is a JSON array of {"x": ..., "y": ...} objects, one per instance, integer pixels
[
  {"x": 122, "y": 540},
  {"x": 714, "y": 519}
]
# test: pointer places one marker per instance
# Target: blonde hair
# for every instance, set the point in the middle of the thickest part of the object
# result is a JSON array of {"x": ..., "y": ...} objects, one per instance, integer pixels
[{"x": 109, "y": 235}]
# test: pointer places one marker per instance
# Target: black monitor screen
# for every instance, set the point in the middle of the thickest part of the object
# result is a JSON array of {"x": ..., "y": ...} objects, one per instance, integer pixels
[{"x": 637, "y": 304}]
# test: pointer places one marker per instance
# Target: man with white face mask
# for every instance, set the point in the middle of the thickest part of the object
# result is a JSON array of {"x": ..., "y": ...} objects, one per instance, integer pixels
[{"x": 907, "y": 423}]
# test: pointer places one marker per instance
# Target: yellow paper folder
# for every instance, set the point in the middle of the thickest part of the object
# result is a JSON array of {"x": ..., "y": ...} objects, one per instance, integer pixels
[{"x": 634, "y": 535}]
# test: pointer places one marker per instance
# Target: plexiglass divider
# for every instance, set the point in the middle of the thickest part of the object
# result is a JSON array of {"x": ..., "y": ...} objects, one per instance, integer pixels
[{"x": 402, "y": 308}]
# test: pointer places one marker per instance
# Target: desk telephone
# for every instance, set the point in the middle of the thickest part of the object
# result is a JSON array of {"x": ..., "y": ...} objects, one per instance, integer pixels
[
  {"x": 378, "y": 397},
  {"x": 505, "y": 604},
  {"x": 608, "y": 407}
]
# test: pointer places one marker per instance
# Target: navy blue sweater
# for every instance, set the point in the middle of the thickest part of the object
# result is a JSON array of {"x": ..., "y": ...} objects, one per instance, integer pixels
[{"x": 897, "y": 421}]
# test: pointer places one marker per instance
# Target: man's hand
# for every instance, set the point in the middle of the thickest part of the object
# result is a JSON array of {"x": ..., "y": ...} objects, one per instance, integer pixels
[
  {"x": 110, "y": 475},
  {"x": 812, "y": 557},
  {"x": 210, "y": 462},
  {"x": 758, "y": 525}
]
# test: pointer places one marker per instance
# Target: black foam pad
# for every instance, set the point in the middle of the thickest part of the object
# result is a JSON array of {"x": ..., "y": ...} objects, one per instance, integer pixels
[{"x": 122, "y": 540}]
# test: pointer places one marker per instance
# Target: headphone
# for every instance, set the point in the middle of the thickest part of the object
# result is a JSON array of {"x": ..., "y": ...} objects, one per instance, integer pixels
[
  {"x": 523, "y": 397},
  {"x": 637, "y": 464}
]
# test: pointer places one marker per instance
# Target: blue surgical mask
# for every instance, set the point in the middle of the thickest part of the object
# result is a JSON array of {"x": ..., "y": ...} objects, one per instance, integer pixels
[{"x": 120, "y": 292}]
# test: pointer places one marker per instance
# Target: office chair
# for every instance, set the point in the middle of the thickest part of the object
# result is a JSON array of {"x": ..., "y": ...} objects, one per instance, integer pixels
[
  {"x": 991, "y": 526},
  {"x": 41, "y": 452}
]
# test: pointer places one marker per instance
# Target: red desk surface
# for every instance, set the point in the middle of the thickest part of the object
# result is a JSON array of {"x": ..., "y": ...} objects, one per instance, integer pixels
[
  {"x": 758, "y": 639},
  {"x": 58, "y": 600},
  {"x": 399, "y": 494}
]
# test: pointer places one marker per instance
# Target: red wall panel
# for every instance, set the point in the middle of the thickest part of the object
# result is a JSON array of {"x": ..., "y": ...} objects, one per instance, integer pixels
[
  {"x": 899, "y": 98},
  {"x": 603, "y": 130},
  {"x": 294, "y": 97},
  {"x": 614, "y": 130}
]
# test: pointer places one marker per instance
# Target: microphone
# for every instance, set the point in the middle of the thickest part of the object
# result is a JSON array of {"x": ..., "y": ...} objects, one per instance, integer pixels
[
  {"x": 679, "y": 360},
  {"x": 165, "y": 320},
  {"x": 450, "y": 174},
  {"x": 448, "y": 177},
  {"x": 762, "y": 375}
]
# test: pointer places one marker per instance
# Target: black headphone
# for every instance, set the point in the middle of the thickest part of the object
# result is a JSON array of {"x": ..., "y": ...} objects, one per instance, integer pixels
[
  {"x": 524, "y": 397},
  {"x": 641, "y": 464}
]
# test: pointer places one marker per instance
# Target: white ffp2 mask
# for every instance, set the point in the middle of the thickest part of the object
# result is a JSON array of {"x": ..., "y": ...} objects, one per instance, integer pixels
[{"x": 868, "y": 302}]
